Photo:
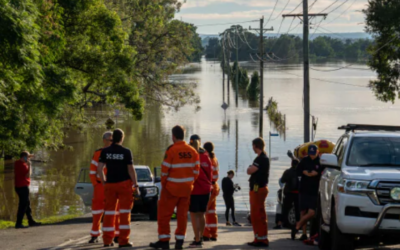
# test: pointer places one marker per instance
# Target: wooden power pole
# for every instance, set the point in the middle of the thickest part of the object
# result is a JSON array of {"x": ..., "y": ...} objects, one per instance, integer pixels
[
  {"x": 261, "y": 31},
  {"x": 305, "y": 18}
]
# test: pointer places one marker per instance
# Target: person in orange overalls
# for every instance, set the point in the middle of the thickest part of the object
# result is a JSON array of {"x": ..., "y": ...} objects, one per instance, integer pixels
[
  {"x": 211, "y": 230},
  {"x": 179, "y": 170},
  {"x": 98, "y": 192},
  {"x": 119, "y": 186},
  {"x": 259, "y": 175}
]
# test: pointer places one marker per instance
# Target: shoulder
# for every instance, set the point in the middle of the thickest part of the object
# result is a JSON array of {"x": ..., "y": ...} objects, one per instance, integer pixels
[
  {"x": 170, "y": 147},
  {"x": 98, "y": 150}
]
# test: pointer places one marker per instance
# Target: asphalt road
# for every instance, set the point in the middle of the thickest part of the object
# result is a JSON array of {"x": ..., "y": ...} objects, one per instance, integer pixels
[{"x": 74, "y": 234}]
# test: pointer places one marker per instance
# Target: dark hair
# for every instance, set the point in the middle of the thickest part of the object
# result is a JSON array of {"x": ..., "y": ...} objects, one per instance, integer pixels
[
  {"x": 209, "y": 147},
  {"x": 118, "y": 135},
  {"x": 179, "y": 132},
  {"x": 24, "y": 154},
  {"x": 295, "y": 162},
  {"x": 231, "y": 172},
  {"x": 259, "y": 143}
]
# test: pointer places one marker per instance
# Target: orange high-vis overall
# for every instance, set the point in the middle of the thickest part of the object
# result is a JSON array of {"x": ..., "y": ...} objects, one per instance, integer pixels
[
  {"x": 98, "y": 200},
  {"x": 120, "y": 193},
  {"x": 259, "y": 218},
  {"x": 211, "y": 229},
  {"x": 179, "y": 170}
]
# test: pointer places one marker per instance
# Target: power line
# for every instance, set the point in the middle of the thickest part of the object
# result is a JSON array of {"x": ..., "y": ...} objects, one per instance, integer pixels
[
  {"x": 214, "y": 24},
  {"x": 296, "y": 7},
  {"x": 340, "y": 5},
  {"x": 329, "y": 6},
  {"x": 284, "y": 8},
  {"x": 273, "y": 10},
  {"x": 342, "y": 12},
  {"x": 312, "y": 5}
]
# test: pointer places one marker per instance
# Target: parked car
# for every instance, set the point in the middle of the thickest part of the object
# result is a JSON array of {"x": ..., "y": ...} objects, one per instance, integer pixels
[
  {"x": 149, "y": 186},
  {"x": 291, "y": 216},
  {"x": 359, "y": 195}
]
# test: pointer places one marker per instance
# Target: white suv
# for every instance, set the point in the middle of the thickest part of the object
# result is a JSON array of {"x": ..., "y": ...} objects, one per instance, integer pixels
[{"x": 359, "y": 193}]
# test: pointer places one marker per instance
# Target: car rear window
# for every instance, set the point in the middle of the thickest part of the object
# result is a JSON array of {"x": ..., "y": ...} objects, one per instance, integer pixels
[
  {"x": 374, "y": 152},
  {"x": 143, "y": 175}
]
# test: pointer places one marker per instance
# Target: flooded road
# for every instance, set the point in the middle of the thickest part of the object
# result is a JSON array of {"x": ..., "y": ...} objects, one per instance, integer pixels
[{"x": 337, "y": 98}]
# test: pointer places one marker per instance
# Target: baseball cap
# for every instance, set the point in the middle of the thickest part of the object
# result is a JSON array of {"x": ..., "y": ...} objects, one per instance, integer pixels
[
  {"x": 27, "y": 154},
  {"x": 312, "y": 150},
  {"x": 195, "y": 137}
]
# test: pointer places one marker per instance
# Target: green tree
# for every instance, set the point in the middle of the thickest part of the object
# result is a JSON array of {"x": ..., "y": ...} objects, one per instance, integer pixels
[
  {"x": 196, "y": 44},
  {"x": 383, "y": 21},
  {"x": 253, "y": 90},
  {"x": 321, "y": 47}
]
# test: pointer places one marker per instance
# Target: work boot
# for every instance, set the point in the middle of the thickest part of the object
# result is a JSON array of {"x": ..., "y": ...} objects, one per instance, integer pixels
[
  {"x": 116, "y": 240},
  {"x": 303, "y": 237},
  {"x": 236, "y": 224},
  {"x": 160, "y": 245},
  {"x": 34, "y": 224},
  {"x": 228, "y": 224},
  {"x": 93, "y": 240},
  {"x": 258, "y": 244},
  {"x": 206, "y": 238},
  {"x": 213, "y": 239},
  {"x": 129, "y": 244},
  {"x": 21, "y": 227},
  {"x": 179, "y": 244},
  {"x": 293, "y": 233},
  {"x": 109, "y": 245}
]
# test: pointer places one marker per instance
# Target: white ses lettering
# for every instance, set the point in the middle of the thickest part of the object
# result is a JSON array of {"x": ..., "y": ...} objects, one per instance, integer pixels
[{"x": 115, "y": 156}]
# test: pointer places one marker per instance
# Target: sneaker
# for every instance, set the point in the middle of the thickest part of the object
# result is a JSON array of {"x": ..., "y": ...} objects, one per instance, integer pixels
[
  {"x": 179, "y": 244},
  {"x": 213, "y": 239},
  {"x": 228, "y": 224},
  {"x": 21, "y": 227},
  {"x": 278, "y": 227},
  {"x": 303, "y": 237},
  {"x": 116, "y": 240},
  {"x": 196, "y": 244},
  {"x": 236, "y": 224},
  {"x": 93, "y": 240},
  {"x": 258, "y": 244},
  {"x": 109, "y": 245},
  {"x": 205, "y": 239},
  {"x": 293, "y": 233},
  {"x": 126, "y": 245},
  {"x": 160, "y": 245},
  {"x": 35, "y": 224}
]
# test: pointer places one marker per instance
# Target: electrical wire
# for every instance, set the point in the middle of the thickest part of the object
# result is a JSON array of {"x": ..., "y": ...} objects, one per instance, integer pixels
[
  {"x": 312, "y": 5},
  {"x": 329, "y": 6},
  {"x": 215, "y": 24},
  {"x": 296, "y": 7},
  {"x": 279, "y": 30},
  {"x": 342, "y": 12},
  {"x": 340, "y": 5},
  {"x": 245, "y": 39},
  {"x": 284, "y": 8},
  {"x": 273, "y": 10}
]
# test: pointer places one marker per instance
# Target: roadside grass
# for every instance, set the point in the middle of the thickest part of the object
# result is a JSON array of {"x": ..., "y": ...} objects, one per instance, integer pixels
[{"x": 49, "y": 220}]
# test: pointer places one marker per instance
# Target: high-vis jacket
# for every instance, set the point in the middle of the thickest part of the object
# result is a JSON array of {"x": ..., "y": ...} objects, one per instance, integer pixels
[
  {"x": 93, "y": 168},
  {"x": 215, "y": 168},
  {"x": 180, "y": 169}
]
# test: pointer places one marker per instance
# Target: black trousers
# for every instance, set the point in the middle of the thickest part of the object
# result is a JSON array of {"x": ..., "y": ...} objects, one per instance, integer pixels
[
  {"x": 24, "y": 206},
  {"x": 290, "y": 199},
  {"x": 230, "y": 205}
]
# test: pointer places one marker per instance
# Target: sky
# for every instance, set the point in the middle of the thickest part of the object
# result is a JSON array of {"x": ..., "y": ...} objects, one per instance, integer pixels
[{"x": 208, "y": 15}]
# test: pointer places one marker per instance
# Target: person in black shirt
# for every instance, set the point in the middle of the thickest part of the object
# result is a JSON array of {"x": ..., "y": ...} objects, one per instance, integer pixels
[
  {"x": 228, "y": 189},
  {"x": 310, "y": 172},
  {"x": 259, "y": 174},
  {"x": 291, "y": 192},
  {"x": 120, "y": 183}
]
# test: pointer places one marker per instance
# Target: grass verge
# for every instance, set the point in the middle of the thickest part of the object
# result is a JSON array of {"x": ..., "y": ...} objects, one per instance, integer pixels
[{"x": 49, "y": 220}]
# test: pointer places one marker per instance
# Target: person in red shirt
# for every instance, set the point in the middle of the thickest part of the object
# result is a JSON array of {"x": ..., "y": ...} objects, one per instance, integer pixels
[
  {"x": 201, "y": 193},
  {"x": 22, "y": 175}
]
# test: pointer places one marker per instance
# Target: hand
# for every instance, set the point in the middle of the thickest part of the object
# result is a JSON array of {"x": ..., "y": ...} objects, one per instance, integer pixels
[
  {"x": 314, "y": 173},
  {"x": 136, "y": 190}
]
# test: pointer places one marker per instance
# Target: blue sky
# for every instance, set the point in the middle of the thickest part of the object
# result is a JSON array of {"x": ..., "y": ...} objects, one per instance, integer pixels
[{"x": 344, "y": 15}]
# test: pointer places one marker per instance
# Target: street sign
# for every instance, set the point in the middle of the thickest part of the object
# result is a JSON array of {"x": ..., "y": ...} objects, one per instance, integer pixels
[
  {"x": 274, "y": 158},
  {"x": 271, "y": 134}
]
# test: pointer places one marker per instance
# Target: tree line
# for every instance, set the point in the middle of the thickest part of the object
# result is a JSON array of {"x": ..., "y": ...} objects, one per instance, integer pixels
[
  {"x": 59, "y": 57},
  {"x": 287, "y": 47}
]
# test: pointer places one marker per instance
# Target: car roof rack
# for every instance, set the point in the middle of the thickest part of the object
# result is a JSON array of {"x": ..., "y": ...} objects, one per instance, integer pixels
[{"x": 365, "y": 127}]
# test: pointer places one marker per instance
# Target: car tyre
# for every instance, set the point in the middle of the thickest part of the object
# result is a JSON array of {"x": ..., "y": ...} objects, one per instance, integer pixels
[
  {"x": 153, "y": 209},
  {"x": 339, "y": 240},
  {"x": 324, "y": 242},
  {"x": 291, "y": 218}
]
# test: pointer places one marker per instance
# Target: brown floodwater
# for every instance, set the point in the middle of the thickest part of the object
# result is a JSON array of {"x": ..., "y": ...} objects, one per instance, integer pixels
[{"x": 332, "y": 101}]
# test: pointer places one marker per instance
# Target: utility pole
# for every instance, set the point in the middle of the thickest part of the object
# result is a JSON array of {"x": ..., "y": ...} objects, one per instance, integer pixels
[
  {"x": 261, "y": 31},
  {"x": 305, "y": 18},
  {"x": 223, "y": 80},
  {"x": 237, "y": 68}
]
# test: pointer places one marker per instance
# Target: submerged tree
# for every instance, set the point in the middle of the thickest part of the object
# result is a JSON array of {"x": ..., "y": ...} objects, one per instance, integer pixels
[
  {"x": 383, "y": 21},
  {"x": 253, "y": 90}
]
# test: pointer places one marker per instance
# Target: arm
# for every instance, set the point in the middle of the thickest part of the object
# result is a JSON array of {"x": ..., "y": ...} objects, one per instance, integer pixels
[
  {"x": 165, "y": 166},
  {"x": 252, "y": 169},
  {"x": 29, "y": 173},
  {"x": 284, "y": 178},
  {"x": 132, "y": 174},
  {"x": 100, "y": 172},
  {"x": 93, "y": 170},
  {"x": 196, "y": 170}
]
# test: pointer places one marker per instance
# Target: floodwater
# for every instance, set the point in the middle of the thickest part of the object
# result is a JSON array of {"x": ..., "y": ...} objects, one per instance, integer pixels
[{"x": 334, "y": 101}]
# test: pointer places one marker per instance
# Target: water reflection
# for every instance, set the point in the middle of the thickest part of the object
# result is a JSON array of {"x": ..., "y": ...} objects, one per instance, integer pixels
[{"x": 231, "y": 131}]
